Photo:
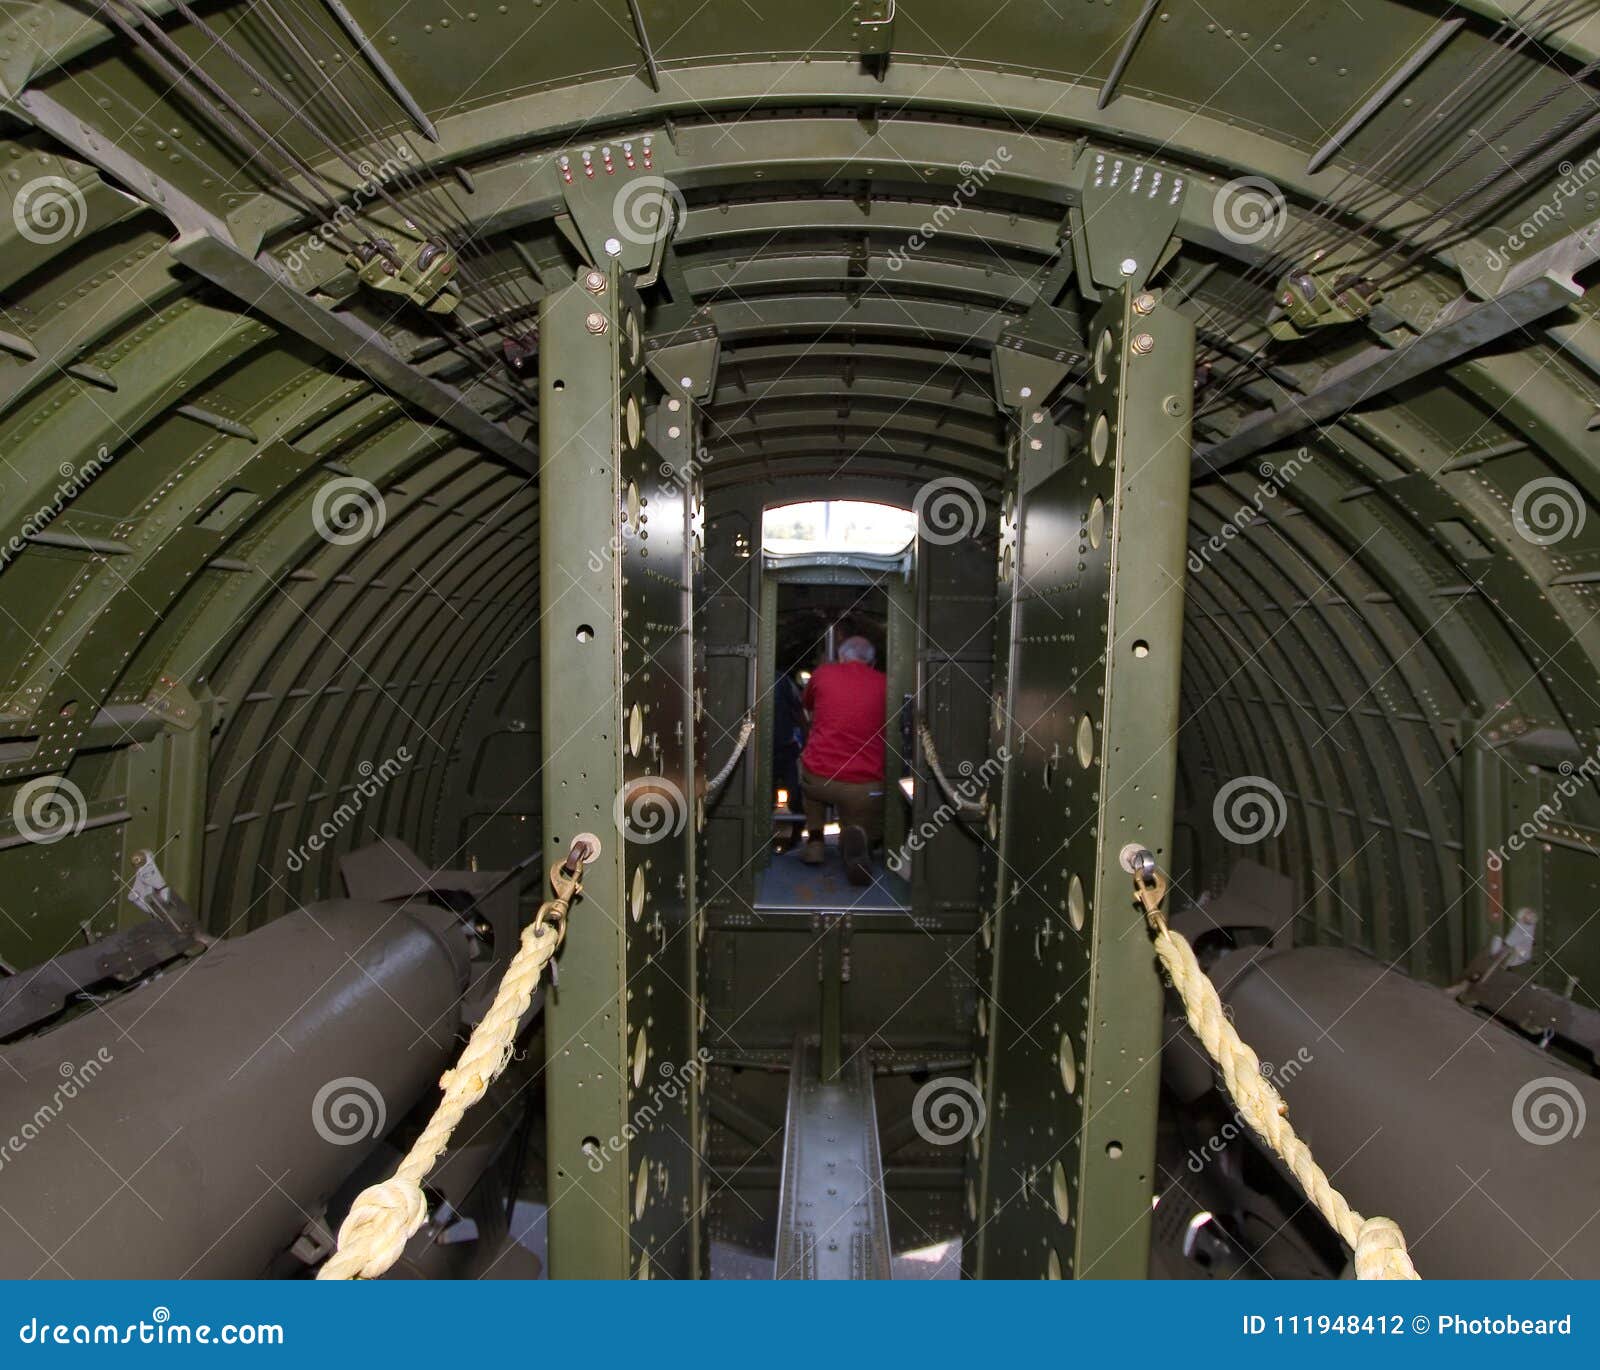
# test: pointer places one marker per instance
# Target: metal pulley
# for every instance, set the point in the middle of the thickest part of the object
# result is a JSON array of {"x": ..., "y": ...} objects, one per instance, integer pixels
[
  {"x": 427, "y": 279},
  {"x": 1327, "y": 290}
]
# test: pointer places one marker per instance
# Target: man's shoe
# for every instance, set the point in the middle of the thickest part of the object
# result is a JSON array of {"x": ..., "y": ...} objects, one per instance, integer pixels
[
  {"x": 853, "y": 843},
  {"x": 814, "y": 853}
]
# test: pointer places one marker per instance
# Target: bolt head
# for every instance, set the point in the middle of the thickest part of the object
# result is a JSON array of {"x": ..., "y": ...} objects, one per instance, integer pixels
[
  {"x": 594, "y": 282},
  {"x": 1129, "y": 266},
  {"x": 1143, "y": 342},
  {"x": 613, "y": 247},
  {"x": 596, "y": 322},
  {"x": 1143, "y": 302}
]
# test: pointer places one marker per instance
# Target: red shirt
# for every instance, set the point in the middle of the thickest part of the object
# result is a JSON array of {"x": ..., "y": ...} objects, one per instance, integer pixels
[{"x": 847, "y": 702}]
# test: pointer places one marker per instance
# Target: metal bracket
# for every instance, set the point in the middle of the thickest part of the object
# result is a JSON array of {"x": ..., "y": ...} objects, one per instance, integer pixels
[
  {"x": 32, "y": 995},
  {"x": 1540, "y": 1012},
  {"x": 426, "y": 276},
  {"x": 1326, "y": 291},
  {"x": 683, "y": 354},
  {"x": 1123, "y": 224},
  {"x": 619, "y": 207},
  {"x": 149, "y": 892},
  {"x": 1033, "y": 356},
  {"x": 874, "y": 26}
]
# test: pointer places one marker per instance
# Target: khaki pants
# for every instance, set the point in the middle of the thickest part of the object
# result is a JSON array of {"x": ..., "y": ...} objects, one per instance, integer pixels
[{"x": 860, "y": 803}]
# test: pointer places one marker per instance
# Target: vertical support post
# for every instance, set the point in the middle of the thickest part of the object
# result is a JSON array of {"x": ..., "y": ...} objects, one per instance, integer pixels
[
  {"x": 900, "y": 665},
  {"x": 1490, "y": 885},
  {"x": 758, "y": 798},
  {"x": 672, "y": 429},
  {"x": 616, "y": 711},
  {"x": 1068, "y": 1153}
]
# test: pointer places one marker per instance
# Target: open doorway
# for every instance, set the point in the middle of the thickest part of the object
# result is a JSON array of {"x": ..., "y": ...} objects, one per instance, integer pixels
[{"x": 837, "y": 665}]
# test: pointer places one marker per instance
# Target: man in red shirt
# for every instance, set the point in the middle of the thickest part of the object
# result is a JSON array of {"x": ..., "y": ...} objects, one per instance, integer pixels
[{"x": 842, "y": 763}]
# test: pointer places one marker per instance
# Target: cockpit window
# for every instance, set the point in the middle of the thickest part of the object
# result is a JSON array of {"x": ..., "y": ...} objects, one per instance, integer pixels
[{"x": 837, "y": 525}]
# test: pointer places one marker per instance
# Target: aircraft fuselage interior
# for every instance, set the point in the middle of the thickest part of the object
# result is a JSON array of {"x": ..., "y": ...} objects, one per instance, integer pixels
[{"x": 896, "y": 640}]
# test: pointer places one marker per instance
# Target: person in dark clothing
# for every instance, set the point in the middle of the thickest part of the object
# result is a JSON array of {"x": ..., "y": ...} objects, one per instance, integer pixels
[
  {"x": 842, "y": 763},
  {"x": 788, "y": 737}
]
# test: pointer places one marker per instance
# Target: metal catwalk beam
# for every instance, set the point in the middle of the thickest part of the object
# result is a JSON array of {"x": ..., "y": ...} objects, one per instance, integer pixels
[{"x": 833, "y": 1222}]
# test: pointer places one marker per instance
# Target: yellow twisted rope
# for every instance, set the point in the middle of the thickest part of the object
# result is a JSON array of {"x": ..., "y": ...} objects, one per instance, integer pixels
[
  {"x": 384, "y": 1215},
  {"x": 1378, "y": 1243}
]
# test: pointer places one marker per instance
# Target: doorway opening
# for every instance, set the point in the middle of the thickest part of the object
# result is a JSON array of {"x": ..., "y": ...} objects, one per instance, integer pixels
[
  {"x": 834, "y": 753},
  {"x": 814, "y": 620}
]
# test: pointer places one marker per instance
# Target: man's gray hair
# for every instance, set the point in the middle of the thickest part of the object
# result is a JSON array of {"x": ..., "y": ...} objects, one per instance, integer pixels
[{"x": 857, "y": 649}]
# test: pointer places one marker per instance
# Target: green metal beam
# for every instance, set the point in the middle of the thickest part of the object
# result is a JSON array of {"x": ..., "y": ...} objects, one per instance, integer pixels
[
  {"x": 615, "y": 641},
  {"x": 1069, "y": 1149},
  {"x": 208, "y": 247}
]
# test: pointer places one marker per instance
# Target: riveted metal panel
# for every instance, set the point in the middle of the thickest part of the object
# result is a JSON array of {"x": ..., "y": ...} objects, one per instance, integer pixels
[
  {"x": 615, "y": 639},
  {"x": 1068, "y": 1151}
]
